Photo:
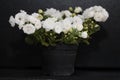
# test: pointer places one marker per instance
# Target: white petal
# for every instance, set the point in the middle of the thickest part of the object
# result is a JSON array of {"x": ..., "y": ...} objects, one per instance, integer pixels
[
  {"x": 28, "y": 29},
  {"x": 38, "y": 25},
  {"x": 78, "y": 9},
  {"x": 84, "y": 34},
  {"x": 21, "y": 17},
  {"x": 53, "y": 13},
  {"x": 35, "y": 15},
  {"x": 58, "y": 27},
  {"x": 66, "y": 13},
  {"x": 12, "y": 21},
  {"x": 49, "y": 23}
]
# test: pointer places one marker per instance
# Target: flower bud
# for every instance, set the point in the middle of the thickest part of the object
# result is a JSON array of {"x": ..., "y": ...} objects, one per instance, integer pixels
[
  {"x": 40, "y": 11},
  {"x": 70, "y": 9}
]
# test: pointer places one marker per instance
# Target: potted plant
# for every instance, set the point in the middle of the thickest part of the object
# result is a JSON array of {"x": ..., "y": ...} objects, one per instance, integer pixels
[{"x": 60, "y": 32}]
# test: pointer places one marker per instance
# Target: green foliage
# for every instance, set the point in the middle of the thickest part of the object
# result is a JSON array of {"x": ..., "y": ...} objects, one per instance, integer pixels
[
  {"x": 91, "y": 26},
  {"x": 50, "y": 38}
]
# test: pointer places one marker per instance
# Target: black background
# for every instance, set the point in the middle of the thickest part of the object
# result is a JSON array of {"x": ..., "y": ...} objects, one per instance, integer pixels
[{"x": 103, "y": 52}]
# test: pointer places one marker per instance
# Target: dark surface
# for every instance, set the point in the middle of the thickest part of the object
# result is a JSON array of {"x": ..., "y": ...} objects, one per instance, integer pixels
[
  {"x": 103, "y": 52},
  {"x": 81, "y": 74}
]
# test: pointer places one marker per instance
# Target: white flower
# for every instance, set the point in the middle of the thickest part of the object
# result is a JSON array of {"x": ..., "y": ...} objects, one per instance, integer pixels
[
  {"x": 58, "y": 27},
  {"x": 84, "y": 34},
  {"x": 66, "y": 13},
  {"x": 22, "y": 11},
  {"x": 97, "y": 12},
  {"x": 101, "y": 16},
  {"x": 98, "y": 8},
  {"x": 78, "y": 9},
  {"x": 12, "y": 21},
  {"x": 78, "y": 26},
  {"x": 89, "y": 13},
  {"x": 77, "y": 23},
  {"x": 21, "y": 17},
  {"x": 49, "y": 23},
  {"x": 53, "y": 13},
  {"x": 67, "y": 24},
  {"x": 34, "y": 21},
  {"x": 81, "y": 17},
  {"x": 50, "y": 11},
  {"x": 77, "y": 19},
  {"x": 28, "y": 29},
  {"x": 38, "y": 25},
  {"x": 36, "y": 15},
  {"x": 21, "y": 24}
]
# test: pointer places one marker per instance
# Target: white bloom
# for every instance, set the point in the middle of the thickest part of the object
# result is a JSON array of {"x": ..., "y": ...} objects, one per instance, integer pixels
[
  {"x": 84, "y": 34},
  {"x": 22, "y": 11},
  {"x": 21, "y": 17},
  {"x": 97, "y": 12},
  {"x": 66, "y": 13},
  {"x": 36, "y": 15},
  {"x": 38, "y": 25},
  {"x": 21, "y": 24},
  {"x": 77, "y": 19},
  {"x": 78, "y": 26},
  {"x": 78, "y": 9},
  {"x": 50, "y": 11},
  {"x": 101, "y": 16},
  {"x": 77, "y": 23},
  {"x": 58, "y": 27},
  {"x": 98, "y": 8},
  {"x": 81, "y": 17},
  {"x": 53, "y": 13},
  {"x": 28, "y": 29},
  {"x": 34, "y": 21},
  {"x": 67, "y": 24},
  {"x": 89, "y": 13},
  {"x": 49, "y": 23},
  {"x": 12, "y": 21}
]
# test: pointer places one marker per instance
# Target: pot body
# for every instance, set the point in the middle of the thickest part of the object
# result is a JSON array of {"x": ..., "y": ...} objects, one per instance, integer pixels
[{"x": 59, "y": 60}]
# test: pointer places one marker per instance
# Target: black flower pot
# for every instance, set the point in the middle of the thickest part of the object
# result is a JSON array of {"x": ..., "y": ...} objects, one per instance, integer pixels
[{"x": 59, "y": 60}]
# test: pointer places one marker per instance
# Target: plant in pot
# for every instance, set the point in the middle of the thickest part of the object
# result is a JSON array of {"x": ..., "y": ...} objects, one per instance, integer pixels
[{"x": 60, "y": 33}]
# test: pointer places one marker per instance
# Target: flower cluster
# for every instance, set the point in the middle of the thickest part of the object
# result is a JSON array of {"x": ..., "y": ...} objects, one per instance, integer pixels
[
  {"x": 53, "y": 26},
  {"x": 96, "y": 12},
  {"x": 28, "y": 23}
]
